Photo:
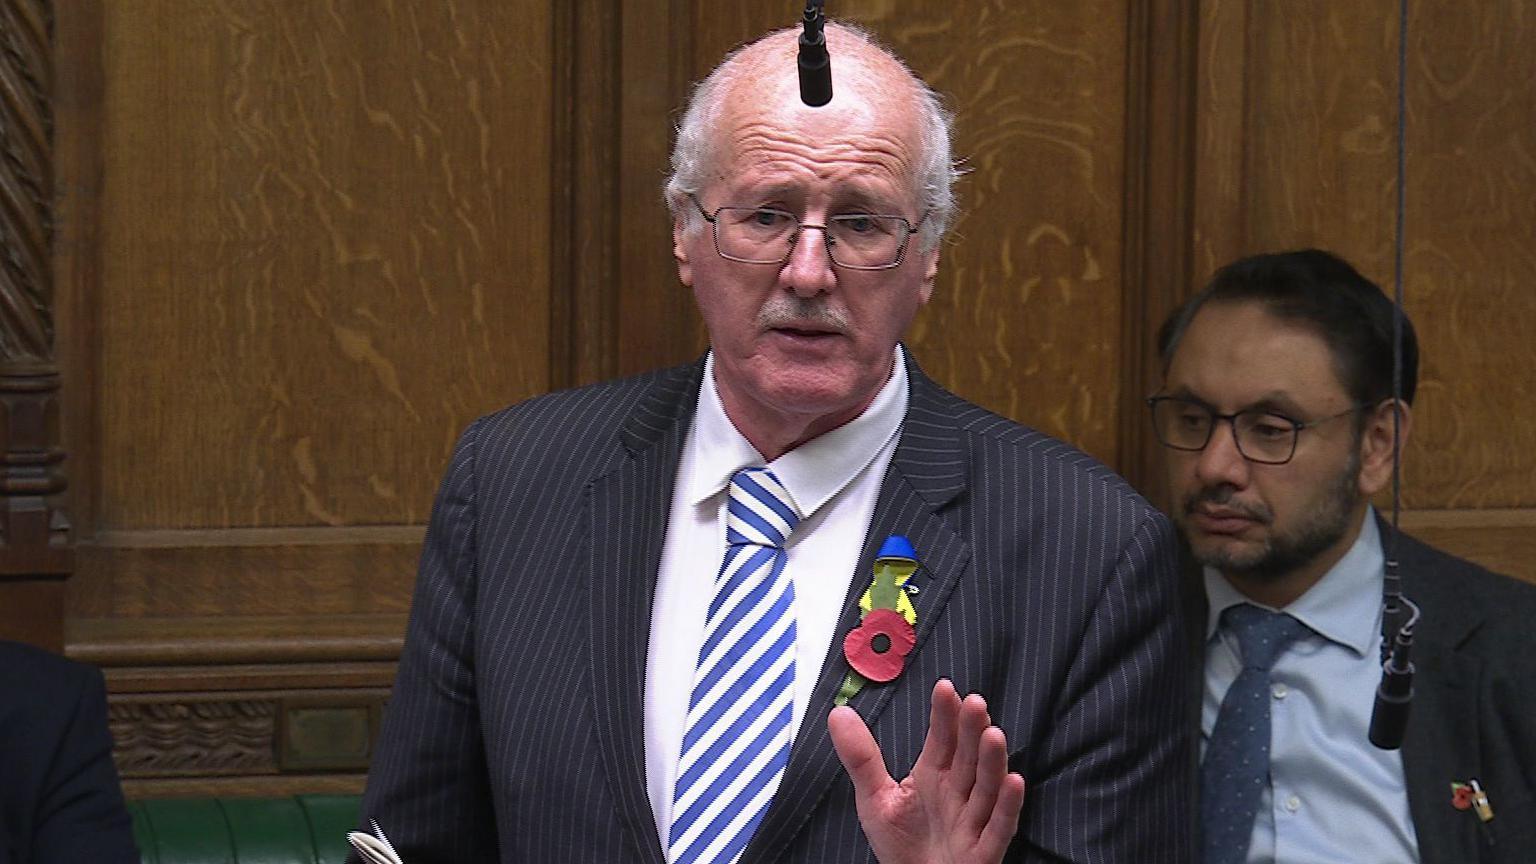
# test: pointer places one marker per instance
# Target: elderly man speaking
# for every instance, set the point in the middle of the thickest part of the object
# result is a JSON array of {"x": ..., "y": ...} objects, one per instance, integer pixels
[{"x": 710, "y": 614}]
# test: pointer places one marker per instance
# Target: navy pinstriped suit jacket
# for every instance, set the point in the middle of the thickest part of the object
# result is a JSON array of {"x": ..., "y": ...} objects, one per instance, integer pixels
[{"x": 515, "y": 732}]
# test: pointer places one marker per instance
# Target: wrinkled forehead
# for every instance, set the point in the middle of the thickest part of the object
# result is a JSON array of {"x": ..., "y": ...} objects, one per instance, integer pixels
[{"x": 869, "y": 131}]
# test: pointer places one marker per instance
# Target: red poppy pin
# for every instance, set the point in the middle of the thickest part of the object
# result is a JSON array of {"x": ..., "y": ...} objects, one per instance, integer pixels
[
  {"x": 877, "y": 649},
  {"x": 1472, "y": 796}
]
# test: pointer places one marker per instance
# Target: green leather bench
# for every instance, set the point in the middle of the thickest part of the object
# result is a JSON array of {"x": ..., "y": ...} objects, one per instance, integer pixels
[{"x": 304, "y": 829}]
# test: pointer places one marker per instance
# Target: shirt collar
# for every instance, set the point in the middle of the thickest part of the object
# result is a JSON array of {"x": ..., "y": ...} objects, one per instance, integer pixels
[
  {"x": 1344, "y": 606},
  {"x": 813, "y": 472}
]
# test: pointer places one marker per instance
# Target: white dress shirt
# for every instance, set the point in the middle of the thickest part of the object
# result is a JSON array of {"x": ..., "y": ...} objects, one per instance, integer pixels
[
  {"x": 834, "y": 480},
  {"x": 1333, "y": 796}
]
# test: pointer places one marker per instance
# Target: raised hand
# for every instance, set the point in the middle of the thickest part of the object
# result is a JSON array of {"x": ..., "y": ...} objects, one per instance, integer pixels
[{"x": 960, "y": 804}]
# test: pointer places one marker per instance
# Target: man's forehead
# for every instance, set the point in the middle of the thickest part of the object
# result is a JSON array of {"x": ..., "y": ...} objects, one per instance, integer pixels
[
  {"x": 1242, "y": 355},
  {"x": 776, "y": 142}
]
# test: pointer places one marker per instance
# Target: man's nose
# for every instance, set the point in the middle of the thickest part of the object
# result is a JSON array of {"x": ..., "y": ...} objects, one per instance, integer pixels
[
  {"x": 1221, "y": 462},
  {"x": 808, "y": 271}
]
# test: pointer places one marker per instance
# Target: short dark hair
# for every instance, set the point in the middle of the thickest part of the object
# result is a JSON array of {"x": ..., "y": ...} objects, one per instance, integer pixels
[{"x": 1323, "y": 292}]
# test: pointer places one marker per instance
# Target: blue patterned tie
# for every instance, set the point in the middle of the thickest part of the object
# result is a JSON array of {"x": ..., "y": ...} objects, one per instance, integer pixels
[
  {"x": 1235, "y": 771},
  {"x": 737, "y": 736}
]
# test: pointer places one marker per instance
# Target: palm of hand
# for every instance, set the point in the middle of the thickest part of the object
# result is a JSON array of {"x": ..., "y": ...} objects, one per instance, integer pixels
[{"x": 960, "y": 805}]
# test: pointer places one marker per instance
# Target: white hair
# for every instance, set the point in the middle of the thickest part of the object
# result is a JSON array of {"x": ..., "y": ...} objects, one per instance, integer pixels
[{"x": 693, "y": 153}]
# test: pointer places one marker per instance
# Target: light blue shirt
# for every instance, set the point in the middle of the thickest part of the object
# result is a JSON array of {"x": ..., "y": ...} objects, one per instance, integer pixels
[{"x": 1333, "y": 796}]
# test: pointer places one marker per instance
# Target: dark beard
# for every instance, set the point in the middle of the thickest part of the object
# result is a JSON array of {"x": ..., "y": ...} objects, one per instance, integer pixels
[{"x": 1284, "y": 554}]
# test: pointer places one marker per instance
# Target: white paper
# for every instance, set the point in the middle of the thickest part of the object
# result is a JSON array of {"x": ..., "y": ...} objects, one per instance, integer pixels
[{"x": 374, "y": 848}]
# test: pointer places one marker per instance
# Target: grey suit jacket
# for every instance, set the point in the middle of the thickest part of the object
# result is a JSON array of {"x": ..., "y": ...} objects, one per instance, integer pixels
[
  {"x": 1474, "y": 704},
  {"x": 515, "y": 732}
]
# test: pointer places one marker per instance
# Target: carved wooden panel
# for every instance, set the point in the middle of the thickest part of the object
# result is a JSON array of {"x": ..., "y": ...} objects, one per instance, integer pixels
[
  {"x": 26, "y": 181},
  {"x": 34, "y": 533},
  {"x": 180, "y": 736},
  {"x": 244, "y": 707}
]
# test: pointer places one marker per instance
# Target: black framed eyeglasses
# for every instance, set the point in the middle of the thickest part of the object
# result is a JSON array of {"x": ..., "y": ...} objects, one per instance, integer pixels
[
  {"x": 764, "y": 235},
  {"x": 1262, "y": 436}
]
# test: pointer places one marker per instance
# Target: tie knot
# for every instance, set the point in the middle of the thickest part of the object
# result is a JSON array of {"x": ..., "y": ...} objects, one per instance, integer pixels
[
  {"x": 760, "y": 511},
  {"x": 1262, "y": 634}
]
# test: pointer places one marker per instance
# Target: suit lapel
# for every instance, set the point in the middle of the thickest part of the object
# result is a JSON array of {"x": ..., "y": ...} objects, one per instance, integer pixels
[
  {"x": 926, "y": 473},
  {"x": 1441, "y": 744},
  {"x": 628, "y": 508}
]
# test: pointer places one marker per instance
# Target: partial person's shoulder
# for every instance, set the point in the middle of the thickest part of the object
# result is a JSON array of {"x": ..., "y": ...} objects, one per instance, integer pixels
[
  {"x": 1027, "y": 455},
  {"x": 40, "y": 693},
  {"x": 570, "y": 436},
  {"x": 26, "y": 669},
  {"x": 613, "y": 397},
  {"x": 1466, "y": 606},
  {"x": 1474, "y": 583}
]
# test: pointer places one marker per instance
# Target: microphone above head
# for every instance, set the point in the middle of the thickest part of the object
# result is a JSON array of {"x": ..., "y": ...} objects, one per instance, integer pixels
[{"x": 815, "y": 65}]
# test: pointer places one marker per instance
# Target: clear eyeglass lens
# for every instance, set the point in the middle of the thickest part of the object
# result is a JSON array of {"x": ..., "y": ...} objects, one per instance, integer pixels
[
  {"x": 1265, "y": 436},
  {"x": 1261, "y": 436},
  {"x": 768, "y": 236}
]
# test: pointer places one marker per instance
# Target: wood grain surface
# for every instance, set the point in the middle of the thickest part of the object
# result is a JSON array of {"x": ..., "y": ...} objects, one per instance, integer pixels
[
  {"x": 300, "y": 245},
  {"x": 324, "y": 250}
]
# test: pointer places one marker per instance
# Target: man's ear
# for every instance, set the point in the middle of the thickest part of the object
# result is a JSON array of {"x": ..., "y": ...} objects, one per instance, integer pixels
[
  {"x": 930, "y": 270},
  {"x": 1376, "y": 442},
  {"x": 680, "y": 250}
]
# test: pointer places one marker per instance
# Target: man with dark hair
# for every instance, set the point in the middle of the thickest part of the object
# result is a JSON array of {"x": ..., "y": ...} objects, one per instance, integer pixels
[
  {"x": 1280, "y": 421},
  {"x": 639, "y": 602}
]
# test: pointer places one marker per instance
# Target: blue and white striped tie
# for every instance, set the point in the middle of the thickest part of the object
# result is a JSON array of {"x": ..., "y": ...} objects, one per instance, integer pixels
[{"x": 737, "y": 735}]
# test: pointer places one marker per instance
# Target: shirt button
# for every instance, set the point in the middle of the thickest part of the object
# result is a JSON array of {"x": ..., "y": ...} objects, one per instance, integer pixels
[
  {"x": 1279, "y": 691},
  {"x": 1293, "y": 804}
]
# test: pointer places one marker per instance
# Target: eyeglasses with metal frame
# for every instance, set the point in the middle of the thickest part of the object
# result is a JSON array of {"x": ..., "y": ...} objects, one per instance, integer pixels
[
  {"x": 1262, "y": 436},
  {"x": 766, "y": 235}
]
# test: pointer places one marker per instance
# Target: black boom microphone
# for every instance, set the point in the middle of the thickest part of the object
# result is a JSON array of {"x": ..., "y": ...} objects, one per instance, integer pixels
[
  {"x": 1394, "y": 696},
  {"x": 815, "y": 65}
]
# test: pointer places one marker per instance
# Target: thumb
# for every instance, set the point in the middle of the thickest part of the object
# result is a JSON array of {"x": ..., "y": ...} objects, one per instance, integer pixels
[{"x": 859, "y": 753}]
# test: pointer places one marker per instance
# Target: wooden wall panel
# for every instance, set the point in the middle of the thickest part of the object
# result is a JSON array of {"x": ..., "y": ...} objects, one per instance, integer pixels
[
  {"x": 319, "y": 256},
  {"x": 1297, "y": 147},
  {"x": 1026, "y": 321},
  {"x": 1471, "y": 269},
  {"x": 301, "y": 245}
]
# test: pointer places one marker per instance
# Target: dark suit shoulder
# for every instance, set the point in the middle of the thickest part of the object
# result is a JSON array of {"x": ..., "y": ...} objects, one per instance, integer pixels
[
  {"x": 60, "y": 800},
  {"x": 1024, "y": 454},
  {"x": 1471, "y": 611},
  {"x": 1460, "y": 593},
  {"x": 570, "y": 436},
  {"x": 40, "y": 695},
  {"x": 598, "y": 409},
  {"x": 28, "y": 666}
]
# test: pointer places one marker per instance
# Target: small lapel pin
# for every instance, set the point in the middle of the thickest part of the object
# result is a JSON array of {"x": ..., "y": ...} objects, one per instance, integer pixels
[
  {"x": 1472, "y": 796},
  {"x": 1480, "y": 804}
]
